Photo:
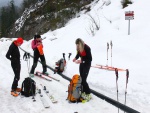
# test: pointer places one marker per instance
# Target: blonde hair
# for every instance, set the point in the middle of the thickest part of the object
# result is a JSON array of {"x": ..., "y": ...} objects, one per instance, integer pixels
[{"x": 80, "y": 42}]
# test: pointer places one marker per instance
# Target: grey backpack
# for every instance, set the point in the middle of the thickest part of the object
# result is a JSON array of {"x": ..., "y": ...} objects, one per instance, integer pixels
[{"x": 60, "y": 65}]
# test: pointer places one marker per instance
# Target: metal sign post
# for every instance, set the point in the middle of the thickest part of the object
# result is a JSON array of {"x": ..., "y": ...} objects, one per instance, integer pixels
[
  {"x": 129, "y": 28},
  {"x": 129, "y": 15}
]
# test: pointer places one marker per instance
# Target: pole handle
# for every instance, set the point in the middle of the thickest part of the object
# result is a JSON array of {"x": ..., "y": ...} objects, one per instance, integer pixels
[
  {"x": 69, "y": 55},
  {"x": 127, "y": 74},
  {"x": 116, "y": 72},
  {"x": 64, "y": 56}
]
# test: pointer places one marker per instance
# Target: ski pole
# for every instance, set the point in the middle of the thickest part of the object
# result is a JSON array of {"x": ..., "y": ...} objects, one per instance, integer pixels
[
  {"x": 127, "y": 76},
  {"x": 107, "y": 52},
  {"x": 28, "y": 63},
  {"x": 64, "y": 56},
  {"x": 116, "y": 72},
  {"x": 111, "y": 51},
  {"x": 26, "y": 56},
  {"x": 64, "y": 59},
  {"x": 69, "y": 56}
]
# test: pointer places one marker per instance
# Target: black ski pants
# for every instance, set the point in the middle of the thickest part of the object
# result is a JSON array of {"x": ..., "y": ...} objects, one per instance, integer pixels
[
  {"x": 35, "y": 61},
  {"x": 84, "y": 71},
  {"x": 16, "y": 66}
]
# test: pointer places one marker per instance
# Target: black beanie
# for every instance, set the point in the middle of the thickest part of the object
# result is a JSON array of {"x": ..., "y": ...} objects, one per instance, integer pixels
[{"x": 37, "y": 36}]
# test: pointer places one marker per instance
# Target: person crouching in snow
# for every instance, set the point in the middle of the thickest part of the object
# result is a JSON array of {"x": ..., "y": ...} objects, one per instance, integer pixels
[
  {"x": 13, "y": 54},
  {"x": 84, "y": 51},
  {"x": 37, "y": 47}
]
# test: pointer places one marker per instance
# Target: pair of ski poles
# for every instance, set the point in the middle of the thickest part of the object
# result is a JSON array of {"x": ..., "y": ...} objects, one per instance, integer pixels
[
  {"x": 127, "y": 76},
  {"x": 68, "y": 56}
]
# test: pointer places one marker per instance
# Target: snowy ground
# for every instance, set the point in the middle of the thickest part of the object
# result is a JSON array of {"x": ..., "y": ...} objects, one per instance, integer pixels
[{"x": 129, "y": 52}]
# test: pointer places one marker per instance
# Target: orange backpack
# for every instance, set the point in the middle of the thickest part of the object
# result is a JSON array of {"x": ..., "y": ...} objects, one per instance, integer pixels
[
  {"x": 40, "y": 48},
  {"x": 75, "y": 89}
]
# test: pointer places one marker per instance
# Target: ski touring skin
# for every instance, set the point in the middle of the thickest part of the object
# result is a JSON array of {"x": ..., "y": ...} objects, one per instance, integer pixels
[{"x": 47, "y": 93}]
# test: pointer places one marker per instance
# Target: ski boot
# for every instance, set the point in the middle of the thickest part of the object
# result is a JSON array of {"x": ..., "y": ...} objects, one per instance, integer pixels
[
  {"x": 31, "y": 75},
  {"x": 14, "y": 93},
  {"x": 88, "y": 97},
  {"x": 83, "y": 95},
  {"x": 46, "y": 73}
]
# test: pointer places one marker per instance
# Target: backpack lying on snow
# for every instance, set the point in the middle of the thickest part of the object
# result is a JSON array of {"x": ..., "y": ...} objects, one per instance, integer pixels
[
  {"x": 75, "y": 89},
  {"x": 28, "y": 87},
  {"x": 60, "y": 66}
]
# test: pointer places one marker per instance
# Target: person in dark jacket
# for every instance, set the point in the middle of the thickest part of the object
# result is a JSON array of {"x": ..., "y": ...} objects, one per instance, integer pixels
[
  {"x": 13, "y": 55},
  {"x": 37, "y": 47},
  {"x": 84, "y": 51}
]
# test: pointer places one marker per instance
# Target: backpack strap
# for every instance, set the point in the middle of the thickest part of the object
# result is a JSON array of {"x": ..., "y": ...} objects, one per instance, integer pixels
[{"x": 21, "y": 92}]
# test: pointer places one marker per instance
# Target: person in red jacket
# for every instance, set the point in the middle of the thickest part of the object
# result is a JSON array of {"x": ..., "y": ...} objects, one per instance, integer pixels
[
  {"x": 84, "y": 52},
  {"x": 37, "y": 47},
  {"x": 13, "y": 55}
]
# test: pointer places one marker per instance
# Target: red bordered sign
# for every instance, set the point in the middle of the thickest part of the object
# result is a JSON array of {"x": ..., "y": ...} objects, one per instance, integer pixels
[{"x": 129, "y": 15}]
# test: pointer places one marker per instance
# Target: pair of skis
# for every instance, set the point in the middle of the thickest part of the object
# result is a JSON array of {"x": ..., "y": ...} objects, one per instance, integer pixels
[
  {"x": 51, "y": 97},
  {"x": 43, "y": 76},
  {"x": 109, "y": 68},
  {"x": 43, "y": 99}
]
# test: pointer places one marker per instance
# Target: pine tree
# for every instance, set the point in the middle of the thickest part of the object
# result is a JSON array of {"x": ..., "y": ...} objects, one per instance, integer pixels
[
  {"x": 8, "y": 18},
  {"x": 125, "y": 3},
  {"x": 4, "y": 21}
]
